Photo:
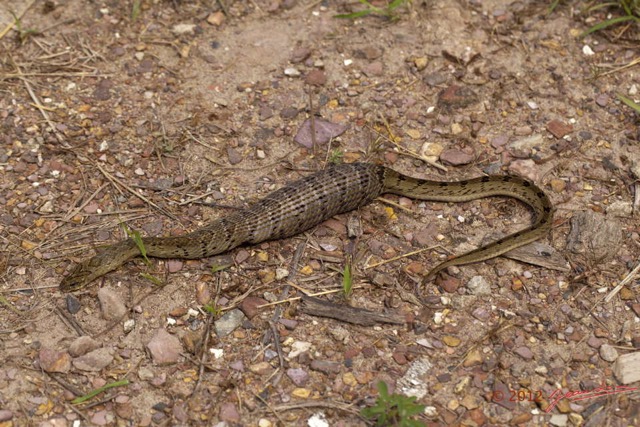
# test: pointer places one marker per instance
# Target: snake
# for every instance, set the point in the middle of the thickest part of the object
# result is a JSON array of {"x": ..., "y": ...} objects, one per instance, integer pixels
[{"x": 315, "y": 198}]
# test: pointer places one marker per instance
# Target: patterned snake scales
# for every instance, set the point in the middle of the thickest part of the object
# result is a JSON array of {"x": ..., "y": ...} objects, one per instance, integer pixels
[{"x": 316, "y": 198}]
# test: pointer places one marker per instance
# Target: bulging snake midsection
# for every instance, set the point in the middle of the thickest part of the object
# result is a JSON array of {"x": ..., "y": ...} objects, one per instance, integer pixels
[{"x": 316, "y": 198}]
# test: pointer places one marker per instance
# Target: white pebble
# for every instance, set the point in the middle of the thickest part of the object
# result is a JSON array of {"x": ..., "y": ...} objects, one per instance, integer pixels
[
  {"x": 183, "y": 29},
  {"x": 430, "y": 411},
  {"x": 217, "y": 352},
  {"x": 438, "y": 317},
  {"x": 281, "y": 273},
  {"x": 291, "y": 72},
  {"x": 586, "y": 49},
  {"x": 128, "y": 325},
  {"x": 318, "y": 420}
]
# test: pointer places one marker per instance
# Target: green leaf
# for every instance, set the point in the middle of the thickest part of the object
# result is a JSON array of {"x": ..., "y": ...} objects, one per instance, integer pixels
[
  {"x": 135, "y": 10},
  {"x": 602, "y": 6},
  {"x": 7, "y": 304},
  {"x": 607, "y": 23},
  {"x": 383, "y": 390},
  {"x": 629, "y": 103},
  {"x": 394, "y": 409},
  {"x": 626, "y": 7},
  {"x": 152, "y": 279},
  {"x": 353, "y": 15},
  {"x": 212, "y": 309},
  {"x": 395, "y": 4},
  {"x": 347, "y": 280},
  {"x": 553, "y": 6},
  {"x": 97, "y": 391},
  {"x": 216, "y": 268},
  {"x": 135, "y": 235}
]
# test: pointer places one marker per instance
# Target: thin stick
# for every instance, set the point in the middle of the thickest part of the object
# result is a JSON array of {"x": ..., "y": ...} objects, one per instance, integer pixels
[
  {"x": 71, "y": 321},
  {"x": 622, "y": 67},
  {"x": 202, "y": 361},
  {"x": 623, "y": 283},
  {"x": 391, "y": 138},
  {"x": 42, "y": 110},
  {"x": 16, "y": 19},
  {"x": 117, "y": 182},
  {"x": 399, "y": 257},
  {"x": 7, "y": 76},
  {"x": 293, "y": 267},
  {"x": 314, "y": 141},
  {"x": 273, "y": 410},
  {"x": 74, "y": 212},
  {"x": 223, "y": 7},
  {"x": 317, "y": 294},
  {"x": 395, "y": 205}
]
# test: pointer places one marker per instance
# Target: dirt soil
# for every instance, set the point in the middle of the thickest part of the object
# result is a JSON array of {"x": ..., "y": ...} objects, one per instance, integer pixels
[{"x": 165, "y": 117}]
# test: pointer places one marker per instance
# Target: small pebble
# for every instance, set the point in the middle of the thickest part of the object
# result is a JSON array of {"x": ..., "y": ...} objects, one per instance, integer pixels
[
  {"x": 608, "y": 353},
  {"x": 559, "y": 129},
  {"x": 602, "y": 100},
  {"x": 524, "y": 352},
  {"x": 316, "y": 77},
  {"x": 292, "y": 72},
  {"x": 456, "y": 157},
  {"x": 164, "y": 348}
]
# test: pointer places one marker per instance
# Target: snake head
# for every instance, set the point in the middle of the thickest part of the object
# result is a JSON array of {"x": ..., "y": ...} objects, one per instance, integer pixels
[
  {"x": 78, "y": 277},
  {"x": 106, "y": 260},
  {"x": 85, "y": 272}
]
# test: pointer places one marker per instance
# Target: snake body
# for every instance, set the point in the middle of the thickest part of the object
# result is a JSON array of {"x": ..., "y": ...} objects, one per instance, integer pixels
[{"x": 316, "y": 198}]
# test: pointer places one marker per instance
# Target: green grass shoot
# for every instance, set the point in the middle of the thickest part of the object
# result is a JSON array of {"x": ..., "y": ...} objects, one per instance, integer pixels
[
  {"x": 135, "y": 235},
  {"x": 97, "y": 391},
  {"x": 152, "y": 279},
  {"x": 389, "y": 11},
  {"x": 212, "y": 308},
  {"x": 23, "y": 34},
  {"x": 631, "y": 10},
  {"x": 336, "y": 156},
  {"x": 629, "y": 103},
  {"x": 347, "y": 279},
  {"x": 135, "y": 10},
  {"x": 216, "y": 268},
  {"x": 394, "y": 409},
  {"x": 7, "y": 304}
]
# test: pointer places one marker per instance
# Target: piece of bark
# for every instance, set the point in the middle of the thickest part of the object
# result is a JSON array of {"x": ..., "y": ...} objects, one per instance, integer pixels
[
  {"x": 594, "y": 235},
  {"x": 345, "y": 313},
  {"x": 627, "y": 368},
  {"x": 538, "y": 253},
  {"x": 535, "y": 253}
]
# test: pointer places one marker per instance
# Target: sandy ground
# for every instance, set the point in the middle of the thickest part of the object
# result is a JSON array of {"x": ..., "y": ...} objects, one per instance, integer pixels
[{"x": 165, "y": 117}]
